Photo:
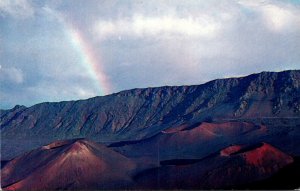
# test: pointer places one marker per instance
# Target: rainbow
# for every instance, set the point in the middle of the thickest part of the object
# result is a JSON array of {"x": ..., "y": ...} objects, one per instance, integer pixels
[{"x": 89, "y": 59}]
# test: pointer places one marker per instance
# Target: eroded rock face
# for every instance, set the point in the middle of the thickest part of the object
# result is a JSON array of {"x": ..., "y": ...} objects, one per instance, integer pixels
[{"x": 150, "y": 110}]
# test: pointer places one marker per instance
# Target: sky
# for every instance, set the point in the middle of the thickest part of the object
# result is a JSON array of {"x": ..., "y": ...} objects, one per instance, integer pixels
[{"x": 59, "y": 50}]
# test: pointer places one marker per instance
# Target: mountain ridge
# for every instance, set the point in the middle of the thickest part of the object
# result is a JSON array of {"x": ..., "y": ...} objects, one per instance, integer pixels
[
  {"x": 154, "y": 87},
  {"x": 144, "y": 112}
]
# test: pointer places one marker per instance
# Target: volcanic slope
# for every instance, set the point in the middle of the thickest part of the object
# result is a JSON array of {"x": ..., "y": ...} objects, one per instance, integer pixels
[
  {"x": 82, "y": 164},
  {"x": 192, "y": 141},
  {"x": 70, "y": 164},
  {"x": 230, "y": 167}
]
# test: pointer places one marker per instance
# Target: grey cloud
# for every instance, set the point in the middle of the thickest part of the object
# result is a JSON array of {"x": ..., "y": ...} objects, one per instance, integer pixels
[
  {"x": 244, "y": 44},
  {"x": 11, "y": 75},
  {"x": 145, "y": 43}
]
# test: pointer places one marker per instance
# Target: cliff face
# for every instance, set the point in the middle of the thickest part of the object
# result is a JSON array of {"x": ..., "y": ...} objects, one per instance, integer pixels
[{"x": 134, "y": 114}]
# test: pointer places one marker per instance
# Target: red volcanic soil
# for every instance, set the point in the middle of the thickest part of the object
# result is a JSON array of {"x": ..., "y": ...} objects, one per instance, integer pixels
[
  {"x": 244, "y": 164},
  {"x": 78, "y": 164},
  {"x": 234, "y": 165},
  {"x": 58, "y": 143},
  {"x": 264, "y": 155},
  {"x": 196, "y": 141},
  {"x": 82, "y": 164},
  {"x": 228, "y": 128},
  {"x": 258, "y": 162},
  {"x": 175, "y": 129},
  {"x": 230, "y": 150},
  {"x": 208, "y": 131}
]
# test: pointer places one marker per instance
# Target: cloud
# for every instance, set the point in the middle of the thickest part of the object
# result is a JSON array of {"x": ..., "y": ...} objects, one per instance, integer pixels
[
  {"x": 245, "y": 37},
  {"x": 16, "y": 8},
  {"x": 11, "y": 75},
  {"x": 277, "y": 16},
  {"x": 167, "y": 25}
]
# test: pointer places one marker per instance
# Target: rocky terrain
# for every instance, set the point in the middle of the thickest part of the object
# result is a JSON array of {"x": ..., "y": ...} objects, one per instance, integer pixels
[
  {"x": 240, "y": 131},
  {"x": 82, "y": 164}
]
